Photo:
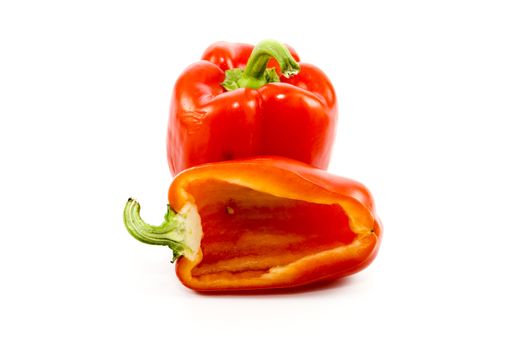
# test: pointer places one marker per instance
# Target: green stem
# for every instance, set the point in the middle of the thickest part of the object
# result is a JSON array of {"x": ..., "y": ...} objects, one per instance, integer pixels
[
  {"x": 256, "y": 74},
  {"x": 261, "y": 54},
  {"x": 170, "y": 233}
]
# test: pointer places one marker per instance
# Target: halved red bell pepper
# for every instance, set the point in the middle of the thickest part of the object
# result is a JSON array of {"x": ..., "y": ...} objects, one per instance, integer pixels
[
  {"x": 240, "y": 101},
  {"x": 232, "y": 229}
]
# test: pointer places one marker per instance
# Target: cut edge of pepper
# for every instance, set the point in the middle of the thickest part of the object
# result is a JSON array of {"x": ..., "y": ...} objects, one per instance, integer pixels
[
  {"x": 364, "y": 246},
  {"x": 291, "y": 275}
]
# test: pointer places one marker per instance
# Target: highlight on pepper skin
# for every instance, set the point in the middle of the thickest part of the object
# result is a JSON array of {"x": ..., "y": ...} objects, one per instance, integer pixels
[{"x": 232, "y": 229}]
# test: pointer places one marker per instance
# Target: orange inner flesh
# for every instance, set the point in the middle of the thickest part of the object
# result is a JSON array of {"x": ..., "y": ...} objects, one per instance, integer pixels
[{"x": 246, "y": 232}]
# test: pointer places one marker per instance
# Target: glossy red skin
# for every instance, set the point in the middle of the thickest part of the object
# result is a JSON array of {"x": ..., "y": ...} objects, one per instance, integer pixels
[{"x": 295, "y": 118}]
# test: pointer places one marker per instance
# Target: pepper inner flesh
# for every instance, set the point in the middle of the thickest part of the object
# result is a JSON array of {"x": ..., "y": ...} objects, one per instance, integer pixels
[{"x": 246, "y": 232}]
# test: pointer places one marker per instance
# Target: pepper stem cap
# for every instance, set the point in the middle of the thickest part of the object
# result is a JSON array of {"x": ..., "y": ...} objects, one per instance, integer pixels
[
  {"x": 256, "y": 73},
  {"x": 181, "y": 232}
]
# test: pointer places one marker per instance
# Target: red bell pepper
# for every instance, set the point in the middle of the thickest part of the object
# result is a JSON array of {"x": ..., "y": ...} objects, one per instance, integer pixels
[
  {"x": 241, "y": 101},
  {"x": 232, "y": 229}
]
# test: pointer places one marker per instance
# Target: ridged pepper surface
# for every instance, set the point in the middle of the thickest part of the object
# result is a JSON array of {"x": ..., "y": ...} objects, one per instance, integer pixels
[{"x": 241, "y": 101}]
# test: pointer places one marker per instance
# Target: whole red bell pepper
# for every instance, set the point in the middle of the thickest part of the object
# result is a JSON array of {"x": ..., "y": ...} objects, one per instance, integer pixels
[
  {"x": 241, "y": 101},
  {"x": 232, "y": 229}
]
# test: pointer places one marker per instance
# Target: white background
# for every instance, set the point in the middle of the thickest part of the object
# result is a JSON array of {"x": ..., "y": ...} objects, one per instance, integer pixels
[{"x": 432, "y": 103}]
